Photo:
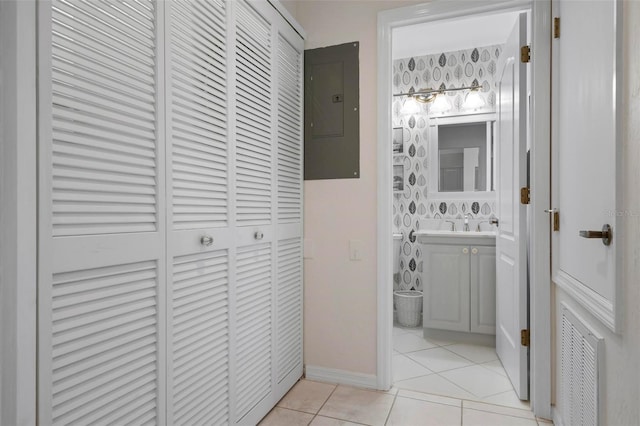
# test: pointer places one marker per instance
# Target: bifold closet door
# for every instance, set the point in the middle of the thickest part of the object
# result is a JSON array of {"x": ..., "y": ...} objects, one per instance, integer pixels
[
  {"x": 170, "y": 211},
  {"x": 101, "y": 213},
  {"x": 199, "y": 277},
  {"x": 268, "y": 183},
  {"x": 288, "y": 175},
  {"x": 254, "y": 215}
]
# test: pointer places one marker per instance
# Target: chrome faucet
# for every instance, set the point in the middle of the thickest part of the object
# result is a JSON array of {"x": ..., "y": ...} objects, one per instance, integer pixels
[
  {"x": 466, "y": 222},
  {"x": 480, "y": 223},
  {"x": 453, "y": 224}
]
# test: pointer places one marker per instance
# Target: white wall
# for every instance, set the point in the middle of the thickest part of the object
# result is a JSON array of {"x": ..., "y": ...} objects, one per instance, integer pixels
[
  {"x": 621, "y": 391},
  {"x": 17, "y": 213},
  {"x": 340, "y": 295},
  {"x": 291, "y": 6}
]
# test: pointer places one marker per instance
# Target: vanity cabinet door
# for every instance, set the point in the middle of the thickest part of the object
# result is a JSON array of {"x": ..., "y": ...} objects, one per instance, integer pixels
[
  {"x": 483, "y": 290},
  {"x": 446, "y": 289}
]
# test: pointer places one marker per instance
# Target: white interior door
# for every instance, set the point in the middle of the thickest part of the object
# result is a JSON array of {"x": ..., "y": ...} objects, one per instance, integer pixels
[
  {"x": 511, "y": 268},
  {"x": 586, "y": 99}
]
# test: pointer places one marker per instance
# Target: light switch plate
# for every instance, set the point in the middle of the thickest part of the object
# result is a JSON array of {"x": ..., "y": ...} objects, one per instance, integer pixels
[{"x": 356, "y": 248}]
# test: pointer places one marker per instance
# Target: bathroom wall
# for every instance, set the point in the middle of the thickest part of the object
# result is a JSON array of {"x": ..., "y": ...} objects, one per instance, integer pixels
[{"x": 473, "y": 66}]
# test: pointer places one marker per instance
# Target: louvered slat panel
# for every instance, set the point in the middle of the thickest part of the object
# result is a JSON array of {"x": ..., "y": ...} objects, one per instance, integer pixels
[
  {"x": 253, "y": 117},
  {"x": 200, "y": 339},
  {"x": 289, "y": 330},
  {"x": 253, "y": 313},
  {"x": 104, "y": 117},
  {"x": 578, "y": 372},
  {"x": 289, "y": 133},
  {"x": 105, "y": 326},
  {"x": 199, "y": 114}
]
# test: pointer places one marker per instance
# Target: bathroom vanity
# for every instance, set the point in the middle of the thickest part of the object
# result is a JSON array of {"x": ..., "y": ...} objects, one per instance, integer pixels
[{"x": 459, "y": 284}]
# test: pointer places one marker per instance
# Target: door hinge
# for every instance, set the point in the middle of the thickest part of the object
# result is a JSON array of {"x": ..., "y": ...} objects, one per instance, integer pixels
[
  {"x": 556, "y": 220},
  {"x": 556, "y": 27},
  {"x": 524, "y": 337},
  {"x": 525, "y": 54},
  {"x": 525, "y": 195}
]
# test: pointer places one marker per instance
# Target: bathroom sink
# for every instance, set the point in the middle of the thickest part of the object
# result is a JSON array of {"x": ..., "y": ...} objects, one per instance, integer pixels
[
  {"x": 457, "y": 234},
  {"x": 440, "y": 236}
]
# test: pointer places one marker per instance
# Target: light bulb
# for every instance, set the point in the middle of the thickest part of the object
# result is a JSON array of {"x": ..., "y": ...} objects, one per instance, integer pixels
[
  {"x": 440, "y": 105},
  {"x": 410, "y": 106},
  {"x": 473, "y": 100}
]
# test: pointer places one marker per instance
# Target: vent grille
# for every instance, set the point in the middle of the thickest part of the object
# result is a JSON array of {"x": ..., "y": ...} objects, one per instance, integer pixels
[
  {"x": 253, "y": 118},
  {"x": 579, "y": 381},
  {"x": 289, "y": 334},
  {"x": 104, "y": 117},
  {"x": 199, "y": 114},
  {"x": 105, "y": 345},
  {"x": 200, "y": 339},
  {"x": 289, "y": 133},
  {"x": 253, "y": 326}
]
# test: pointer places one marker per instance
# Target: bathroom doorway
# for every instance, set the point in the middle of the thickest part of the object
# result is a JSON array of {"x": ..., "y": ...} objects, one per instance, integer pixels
[{"x": 457, "y": 61}]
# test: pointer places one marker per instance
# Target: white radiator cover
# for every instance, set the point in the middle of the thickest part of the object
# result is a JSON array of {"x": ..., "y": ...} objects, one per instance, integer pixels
[{"x": 581, "y": 353}]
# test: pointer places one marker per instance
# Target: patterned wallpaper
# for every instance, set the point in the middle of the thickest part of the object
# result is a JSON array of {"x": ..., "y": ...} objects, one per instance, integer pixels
[{"x": 443, "y": 70}]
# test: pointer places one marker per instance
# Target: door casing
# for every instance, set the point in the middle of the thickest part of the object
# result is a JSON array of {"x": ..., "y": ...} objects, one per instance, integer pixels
[{"x": 539, "y": 259}]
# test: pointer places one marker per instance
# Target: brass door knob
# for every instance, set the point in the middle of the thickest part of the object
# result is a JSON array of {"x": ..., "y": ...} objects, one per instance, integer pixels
[{"x": 606, "y": 234}]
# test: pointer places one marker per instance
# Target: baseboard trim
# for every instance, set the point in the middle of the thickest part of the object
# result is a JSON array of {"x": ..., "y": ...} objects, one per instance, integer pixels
[{"x": 341, "y": 377}]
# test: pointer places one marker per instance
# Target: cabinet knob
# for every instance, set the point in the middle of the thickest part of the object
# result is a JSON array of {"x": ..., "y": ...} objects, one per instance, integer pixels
[
  {"x": 474, "y": 250},
  {"x": 206, "y": 240},
  {"x": 258, "y": 235},
  {"x": 465, "y": 250}
]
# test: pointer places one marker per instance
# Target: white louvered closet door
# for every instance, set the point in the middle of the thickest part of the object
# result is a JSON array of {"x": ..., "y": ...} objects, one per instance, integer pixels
[
  {"x": 268, "y": 162},
  {"x": 101, "y": 213},
  {"x": 288, "y": 165},
  {"x": 170, "y": 240},
  {"x": 198, "y": 250},
  {"x": 254, "y": 210}
]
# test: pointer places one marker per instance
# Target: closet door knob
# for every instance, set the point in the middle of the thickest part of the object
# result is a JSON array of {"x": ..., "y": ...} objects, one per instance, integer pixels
[
  {"x": 258, "y": 235},
  {"x": 474, "y": 250},
  {"x": 206, "y": 240},
  {"x": 465, "y": 250}
]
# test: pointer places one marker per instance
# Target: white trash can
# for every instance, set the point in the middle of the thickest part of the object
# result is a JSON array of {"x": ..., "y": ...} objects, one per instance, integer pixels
[{"x": 408, "y": 307}]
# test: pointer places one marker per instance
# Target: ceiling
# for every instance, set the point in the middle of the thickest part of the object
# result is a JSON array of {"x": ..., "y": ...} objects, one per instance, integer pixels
[{"x": 451, "y": 35}]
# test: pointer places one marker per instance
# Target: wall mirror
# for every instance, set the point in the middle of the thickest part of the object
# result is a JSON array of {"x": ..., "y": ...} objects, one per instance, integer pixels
[{"x": 462, "y": 155}]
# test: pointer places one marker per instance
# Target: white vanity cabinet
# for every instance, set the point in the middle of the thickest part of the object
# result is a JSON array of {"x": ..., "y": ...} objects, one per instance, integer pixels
[
  {"x": 482, "y": 283},
  {"x": 459, "y": 283}
]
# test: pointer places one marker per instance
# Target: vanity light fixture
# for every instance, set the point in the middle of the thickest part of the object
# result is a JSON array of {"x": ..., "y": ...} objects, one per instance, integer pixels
[{"x": 430, "y": 95}]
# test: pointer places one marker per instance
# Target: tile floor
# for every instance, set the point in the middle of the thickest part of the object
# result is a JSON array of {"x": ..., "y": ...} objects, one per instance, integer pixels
[
  {"x": 322, "y": 404},
  {"x": 456, "y": 370},
  {"x": 437, "y": 383}
]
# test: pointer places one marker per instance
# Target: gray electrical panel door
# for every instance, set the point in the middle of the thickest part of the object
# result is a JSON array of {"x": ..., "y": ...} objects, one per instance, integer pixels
[{"x": 332, "y": 112}]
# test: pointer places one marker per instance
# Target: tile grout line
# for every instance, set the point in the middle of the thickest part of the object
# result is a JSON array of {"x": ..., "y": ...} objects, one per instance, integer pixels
[
  {"x": 324, "y": 403},
  {"x": 395, "y": 397},
  {"x": 504, "y": 414},
  {"x": 468, "y": 359}
]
